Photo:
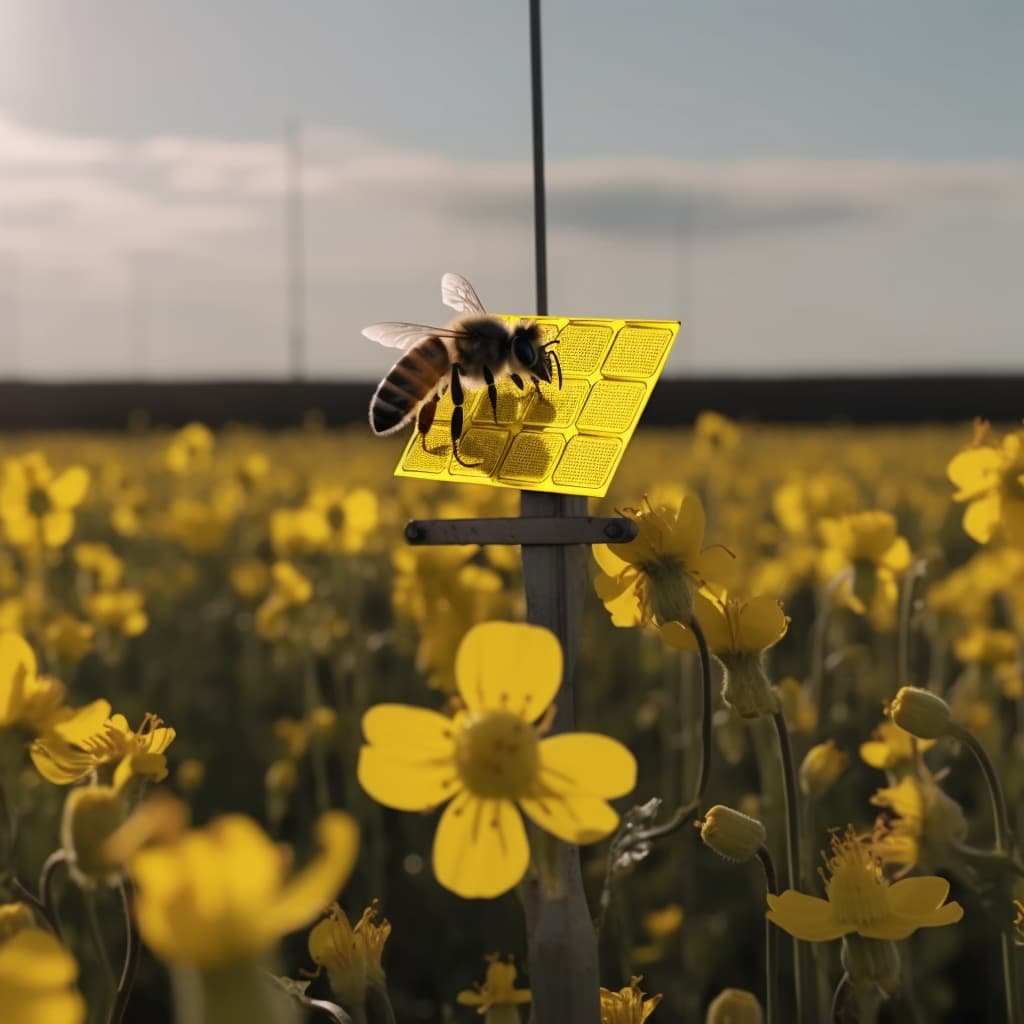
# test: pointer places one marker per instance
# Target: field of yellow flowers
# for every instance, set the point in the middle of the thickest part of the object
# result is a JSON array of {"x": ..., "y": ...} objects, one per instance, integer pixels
[{"x": 262, "y": 761}]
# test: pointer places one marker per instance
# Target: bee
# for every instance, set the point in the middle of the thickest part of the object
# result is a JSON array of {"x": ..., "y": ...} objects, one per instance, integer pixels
[{"x": 473, "y": 351}]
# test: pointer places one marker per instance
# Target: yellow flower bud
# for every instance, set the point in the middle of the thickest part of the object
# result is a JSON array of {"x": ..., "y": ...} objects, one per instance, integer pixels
[
  {"x": 282, "y": 777},
  {"x": 734, "y": 1006},
  {"x": 322, "y": 722},
  {"x": 14, "y": 917},
  {"x": 190, "y": 775},
  {"x": 730, "y": 834},
  {"x": 91, "y": 816},
  {"x": 920, "y": 712},
  {"x": 821, "y": 767}
]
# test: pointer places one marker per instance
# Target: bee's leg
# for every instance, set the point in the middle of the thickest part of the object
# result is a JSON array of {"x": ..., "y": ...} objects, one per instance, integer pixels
[
  {"x": 425, "y": 420},
  {"x": 552, "y": 357},
  {"x": 492, "y": 391},
  {"x": 517, "y": 380},
  {"x": 457, "y": 399}
]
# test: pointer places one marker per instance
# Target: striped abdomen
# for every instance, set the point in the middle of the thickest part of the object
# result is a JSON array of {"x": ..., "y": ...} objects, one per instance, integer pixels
[{"x": 411, "y": 380}]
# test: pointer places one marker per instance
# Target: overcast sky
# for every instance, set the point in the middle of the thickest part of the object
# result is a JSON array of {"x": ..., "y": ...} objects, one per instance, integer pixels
[{"x": 808, "y": 186}]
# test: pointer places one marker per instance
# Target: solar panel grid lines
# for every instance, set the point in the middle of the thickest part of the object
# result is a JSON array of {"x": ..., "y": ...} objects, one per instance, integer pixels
[{"x": 567, "y": 440}]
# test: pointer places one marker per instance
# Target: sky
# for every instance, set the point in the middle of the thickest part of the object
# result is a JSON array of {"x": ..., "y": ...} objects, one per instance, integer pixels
[{"x": 811, "y": 188}]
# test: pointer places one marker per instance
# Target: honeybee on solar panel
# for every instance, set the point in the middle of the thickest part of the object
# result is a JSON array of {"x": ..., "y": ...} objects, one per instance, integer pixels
[{"x": 475, "y": 350}]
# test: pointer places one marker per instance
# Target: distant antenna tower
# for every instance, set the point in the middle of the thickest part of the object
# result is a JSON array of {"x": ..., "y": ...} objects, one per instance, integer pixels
[
  {"x": 295, "y": 252},
  {"x": 9, "y": 314}
]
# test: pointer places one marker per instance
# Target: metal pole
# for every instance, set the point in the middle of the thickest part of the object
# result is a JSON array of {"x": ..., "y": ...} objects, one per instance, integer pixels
[
  {"x": 562, "y": 944},
  {"x": 540, "y": 233},
  {"x": 295, "y": 252}
]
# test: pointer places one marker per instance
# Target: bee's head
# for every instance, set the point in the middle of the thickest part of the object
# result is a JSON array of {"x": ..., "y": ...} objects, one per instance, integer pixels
[{"x": 527, "y": 350}]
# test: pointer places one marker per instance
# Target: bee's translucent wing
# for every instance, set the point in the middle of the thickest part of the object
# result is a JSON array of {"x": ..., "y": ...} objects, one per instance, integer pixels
[
  {"x": 397, "y": 335},
  {"x": 458, "y": 294}
]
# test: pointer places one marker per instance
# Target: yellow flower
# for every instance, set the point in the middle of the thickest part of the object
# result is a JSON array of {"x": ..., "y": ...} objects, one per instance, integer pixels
[
  {"x": 891, "y": 748},
  {"x": 498, "y": 988},
  {"x": 28, "y": 702},
  {"x": 628, "y": 1005},
  {"x": 14, "y": 917},
  {"x": 867, "y": 544},
  {"x": 352, "y": 517},
  {"x": 250, "y": 578},
  {"x": 737, "y": 633},
  {"x": 821, "y": 768},
  {"x": 120, "y": 611},
  {"x": 36, "y": 507},
  {"x": 653, "y": 577},
  {"x": 218, "y": 896},
  {"x": 987, "y": 646},
  {"x": 928, "y": 821},
  {"x": 36, "y": 978},
  {"x": 734, "y": 1006},
  {"x": 68, "y": 638},
  {"x": 198, "y": 526},
  {"x": 799, "y": 504},
  {"x": 991, "y": 482},
  {"x": 93, "y": 740},
  {"x": 861, "y": 900},
  {"x": 798, "y": 707},
  {"x": 190, "y": 450},
  {"x": 352, "y": 956},
  {"x": 98, "y": 560},
  {"x": 490, "y": 758},
  {"x": 290, "y": 590}
]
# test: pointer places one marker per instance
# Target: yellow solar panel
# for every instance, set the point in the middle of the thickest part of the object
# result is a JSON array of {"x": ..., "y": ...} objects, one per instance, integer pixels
[{"x": 569, "y": 439}]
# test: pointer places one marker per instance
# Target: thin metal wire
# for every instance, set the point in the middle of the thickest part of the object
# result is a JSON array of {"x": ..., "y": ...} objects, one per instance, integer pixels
[{"x": 540, "y": 239}]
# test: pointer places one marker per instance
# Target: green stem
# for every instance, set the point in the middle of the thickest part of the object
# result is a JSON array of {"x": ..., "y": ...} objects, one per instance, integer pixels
[
  {"x": 819, "y": 638},
  {"x": 318, "y": 753},
  {"x": 707, "y": 711},
  {"x": 131, "y": 954},
  {"x": 800, "y": 976},
  {"x": 1003, "y": 844},
  {"x": 46, "y": 894},
  {"x": 772, "y": 886},
  {"x": 910, "y": 578},
  {"x": 96, "y": 935},
  {"x": 837, "y": 998}
]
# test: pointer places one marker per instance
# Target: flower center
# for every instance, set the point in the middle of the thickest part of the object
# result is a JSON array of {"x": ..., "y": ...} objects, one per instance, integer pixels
[
  {"x": 496, "y": 755},
  {"x": 857, "y": 890},
  {"x": 39, "y": 502}
]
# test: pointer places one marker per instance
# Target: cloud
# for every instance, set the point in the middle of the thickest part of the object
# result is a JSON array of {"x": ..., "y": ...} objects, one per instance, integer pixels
[{"x": 81, "y": 216}]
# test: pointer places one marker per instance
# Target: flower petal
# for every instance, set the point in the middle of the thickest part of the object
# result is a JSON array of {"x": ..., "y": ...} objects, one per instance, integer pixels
[
  {"x": 57, "y": 528},
  {"x": 974, "y": 471},
  {"x": 509, "y": 666},
  {"x": 306, "y": 894},
  {"x": 678, "y": 636},
  {"x": 687, "y": 532},
  {"x": 406, "y": 784},
  {"x": 712, "y": 618},
  {"x": 805, "y": 917},
  {"x": 921, "y": 895},
  {"x": 625, "y": 609},
  {"x": 414, "y": 732},
  {"x": 587, "y": 762},
  {"x": 575, "y": 817},
  {"x": 716, "y": 567},
  {"x": 480, "y": 848},
  {"x": 17, "y": 671},
  {"x": 68, "y": 490},
  {"x": 762, "y": 623},
  {"x": 610, "y": 562},
  {"x": 981, "y": 517}
]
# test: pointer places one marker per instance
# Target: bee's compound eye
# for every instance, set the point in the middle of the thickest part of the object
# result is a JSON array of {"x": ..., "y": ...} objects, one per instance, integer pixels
[{"x": 524, "y": 350}]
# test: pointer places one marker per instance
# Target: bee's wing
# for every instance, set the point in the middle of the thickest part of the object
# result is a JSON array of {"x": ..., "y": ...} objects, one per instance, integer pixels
[
  {"x": 397, "y": 335},
  {"x": 458, "y": 294}
]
